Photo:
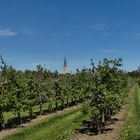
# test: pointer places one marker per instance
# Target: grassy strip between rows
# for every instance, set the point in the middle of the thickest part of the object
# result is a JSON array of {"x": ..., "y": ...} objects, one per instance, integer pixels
[
  {"x": 58, "y": 127},
  {"x": 10, "y": 115},
  {"x": 131, "y": 130}
]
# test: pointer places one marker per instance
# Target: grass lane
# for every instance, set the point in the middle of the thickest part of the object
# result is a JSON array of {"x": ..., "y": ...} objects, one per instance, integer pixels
[
  {"x": 59, "y": 127},
  {"x": 10, "y": 115},
  {"x": 131, "y": 130}
]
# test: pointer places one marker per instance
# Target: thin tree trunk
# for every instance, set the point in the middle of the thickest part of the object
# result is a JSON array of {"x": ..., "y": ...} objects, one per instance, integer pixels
[
  {"x": 67, "y": 102},
  {"x": 30, "y": 111},
  {"x": 56, "y": 105},
  {"x": 40, "y": 106},
  {"x": 19, "y": 117},
  {"x": 62, "y": 103},
  {"x": 109, "y": 113},
  {"x": 103, "y": 121},
  {"x": 50, "y": 106},
  {"x": 103, "y": 117},
  {"x": 1, "y": 119}
]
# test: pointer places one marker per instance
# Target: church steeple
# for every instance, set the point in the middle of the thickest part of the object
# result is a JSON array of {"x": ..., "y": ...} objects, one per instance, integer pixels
[{"x": 65, "y": 66}]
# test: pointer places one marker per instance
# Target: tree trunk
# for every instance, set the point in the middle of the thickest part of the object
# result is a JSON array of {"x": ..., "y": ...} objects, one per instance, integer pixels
[
  {"x": 62, "y": 103},
  {"x": 109, "y": 113},
  {"x": 30, "y": 111},
  {"x": 19, "y": 117},
  {"x": 79, "y": 99},
  {"x": 56, "y": 105},
  {"x": 97, "y": 126},
  {"x": 103, "y": 117},
  {"x": 50, "y": 106},
  {"x": 1, "y": 119},
  {"x": 67, "y": 102},
  {"x": 102, "y": 121},
  {"x": 72, "y": 101},
  {"x": 40, "y": 106}
]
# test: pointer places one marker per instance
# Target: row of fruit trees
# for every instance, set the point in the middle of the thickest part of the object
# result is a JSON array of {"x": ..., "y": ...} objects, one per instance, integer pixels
[{"x": 102, "y": 86}]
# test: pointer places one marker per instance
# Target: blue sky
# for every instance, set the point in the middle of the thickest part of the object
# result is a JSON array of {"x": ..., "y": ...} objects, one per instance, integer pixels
[{"x": 45, "y": 31}]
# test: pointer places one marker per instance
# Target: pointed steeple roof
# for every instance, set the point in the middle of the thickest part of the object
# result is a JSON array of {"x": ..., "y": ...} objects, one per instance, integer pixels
[
  {"x": 65, "y": 62},
  {"x": 65, "y": 66}
]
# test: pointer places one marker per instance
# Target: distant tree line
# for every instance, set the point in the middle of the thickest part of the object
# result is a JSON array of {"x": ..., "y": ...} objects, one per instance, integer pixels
[{"x": 135, "y": 74}]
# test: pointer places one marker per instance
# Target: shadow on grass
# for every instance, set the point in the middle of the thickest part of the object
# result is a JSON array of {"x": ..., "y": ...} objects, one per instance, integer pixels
[
  {"x": 90, "y": 127},
  {"x": 14, "y": 122}
]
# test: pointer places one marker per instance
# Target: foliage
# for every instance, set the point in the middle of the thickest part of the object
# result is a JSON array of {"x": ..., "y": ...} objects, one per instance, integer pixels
[
  {"x": 108, "y": 90},
  {"x": 104, "y": 84},
  {"x": 57, "y": 127}
]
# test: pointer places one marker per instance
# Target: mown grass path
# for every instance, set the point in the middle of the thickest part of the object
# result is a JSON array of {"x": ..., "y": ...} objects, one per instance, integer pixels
[
  {"x": 131, "y": 130},
  {"x": 58, "y": 127},
  {"x": 62, "y": 125}
]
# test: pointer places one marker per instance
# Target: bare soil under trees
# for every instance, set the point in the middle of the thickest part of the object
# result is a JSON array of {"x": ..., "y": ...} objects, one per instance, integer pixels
[
  {"x": 111, "y": 132},
  {"x": 35, "y": 121}
]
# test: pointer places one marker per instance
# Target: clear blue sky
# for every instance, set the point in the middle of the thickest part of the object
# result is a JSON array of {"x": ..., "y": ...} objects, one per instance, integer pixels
[{"x": 45, "y": 31}]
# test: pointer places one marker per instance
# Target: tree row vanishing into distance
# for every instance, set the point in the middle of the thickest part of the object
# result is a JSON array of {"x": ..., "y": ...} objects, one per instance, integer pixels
[
  {"x": 103, "y": 85},
  {"x": 109, "y": 89}
]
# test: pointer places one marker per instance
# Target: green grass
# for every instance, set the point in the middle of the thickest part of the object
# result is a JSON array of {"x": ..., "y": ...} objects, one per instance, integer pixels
[
  {"x": 131, "y": 130},
  {"x": 58, "y": 127},
  {"x": 9, "y": 115}
]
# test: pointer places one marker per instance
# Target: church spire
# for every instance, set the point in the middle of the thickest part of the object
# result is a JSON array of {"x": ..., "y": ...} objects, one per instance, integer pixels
[{"x": 65, "y": 66}]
